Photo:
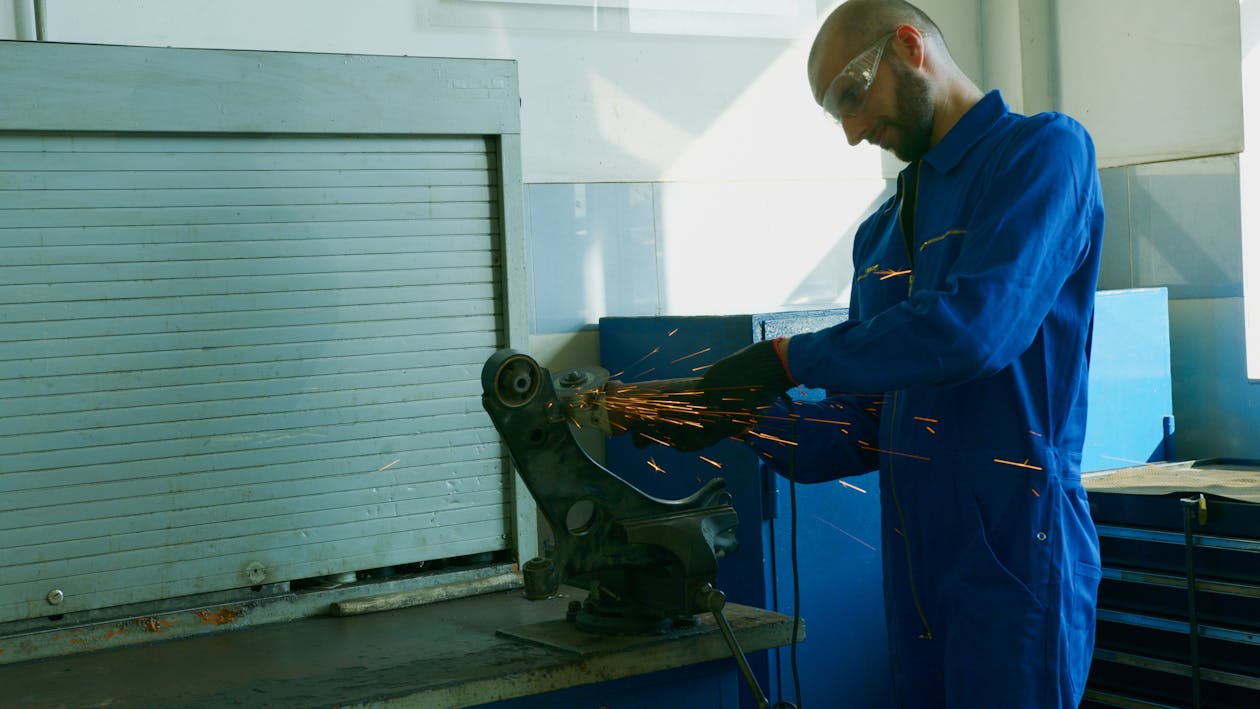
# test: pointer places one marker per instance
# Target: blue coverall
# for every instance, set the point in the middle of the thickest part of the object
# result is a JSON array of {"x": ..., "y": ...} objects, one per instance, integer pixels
[{"x": 970, "y": 323}]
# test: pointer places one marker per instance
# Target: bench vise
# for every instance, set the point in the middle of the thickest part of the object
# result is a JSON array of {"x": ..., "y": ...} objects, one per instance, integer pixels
[{"x": 647, "y": 564}]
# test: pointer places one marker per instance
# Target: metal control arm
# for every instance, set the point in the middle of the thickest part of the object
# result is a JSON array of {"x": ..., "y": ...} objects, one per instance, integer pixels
[{"x": 643, "y": 560}]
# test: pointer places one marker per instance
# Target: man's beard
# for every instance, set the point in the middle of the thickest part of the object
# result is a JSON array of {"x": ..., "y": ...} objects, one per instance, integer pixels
[{"x": 914, "y": 115}]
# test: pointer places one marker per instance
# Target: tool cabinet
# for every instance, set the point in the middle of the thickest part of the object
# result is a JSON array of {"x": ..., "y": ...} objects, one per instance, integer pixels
[{"x": 1179, "y": 605}]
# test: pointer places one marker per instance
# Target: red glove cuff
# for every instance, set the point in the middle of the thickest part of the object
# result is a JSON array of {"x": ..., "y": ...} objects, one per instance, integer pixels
[{"x": 780, "y": 348}]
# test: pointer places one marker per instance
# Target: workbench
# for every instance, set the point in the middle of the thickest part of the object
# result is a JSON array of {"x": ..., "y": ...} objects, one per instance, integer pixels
[{"x": 495, "y": 648}]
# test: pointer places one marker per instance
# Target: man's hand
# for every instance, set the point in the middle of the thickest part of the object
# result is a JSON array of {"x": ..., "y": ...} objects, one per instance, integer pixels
[
  {"x": 726, "y": 402},
  {"x": 756, "y": 375}
]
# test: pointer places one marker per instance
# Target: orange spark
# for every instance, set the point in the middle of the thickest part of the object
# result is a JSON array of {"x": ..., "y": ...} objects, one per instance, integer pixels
[
  {"x": 693, "y": 354},
  {"x": 889, "y": 273},
  {"x": 925, "y": 419},
  {"x": 390, "y": 465},
  {"x": 655, "y": 467},
  {"x": 712, "y": 462},
  {"x": 899, "y": 532},
  {"x": 772, "y": 439},
  {"x": 654, "y": 440},
  {"x": 838, "y": 423},
  {"x": 697, "y": 369},
  {"x": 671, "y": 332},
  {"x": 849, "y": 484},
  {"x": 1035, "y": 492},
  {"x": 649, "y": 354},
  {"x": 931, "y": 430},
  {"x": 1017, "y": 465},
  {"x": 1035, "y": 433},
  {"x": 906, "y": 455},
  {"x": 850, "y": 536}
]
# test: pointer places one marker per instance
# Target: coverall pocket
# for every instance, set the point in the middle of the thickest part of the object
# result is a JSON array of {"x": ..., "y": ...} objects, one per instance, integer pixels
[
  {"x": 995, "y": 626},
  {"x": 1081, "y": 601},
  {"x": 986, "y": 569},
  {"x": 987, "y": 562}
]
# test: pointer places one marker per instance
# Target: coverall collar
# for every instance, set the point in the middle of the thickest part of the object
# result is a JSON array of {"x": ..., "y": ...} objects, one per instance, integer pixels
[{"x": 973, "y": 125}]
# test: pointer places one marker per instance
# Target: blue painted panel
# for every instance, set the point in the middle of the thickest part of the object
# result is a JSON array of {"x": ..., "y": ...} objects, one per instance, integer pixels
[
  {"x": 1130, "y": 380},
  {"x": 839, "y": 550}
]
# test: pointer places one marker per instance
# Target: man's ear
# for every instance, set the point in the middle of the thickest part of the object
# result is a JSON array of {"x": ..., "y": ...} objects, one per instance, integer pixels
[{"x": 910, "y": 45}]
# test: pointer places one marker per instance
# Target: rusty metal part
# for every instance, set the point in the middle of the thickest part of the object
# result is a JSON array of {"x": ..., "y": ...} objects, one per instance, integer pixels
[
  {"x": 642, "y": 560},
  {"x": 582, "y": 391}
]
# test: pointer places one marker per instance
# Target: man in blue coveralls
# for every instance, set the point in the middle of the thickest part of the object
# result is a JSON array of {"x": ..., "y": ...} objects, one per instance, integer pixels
[{"x": 960, "y": 374}]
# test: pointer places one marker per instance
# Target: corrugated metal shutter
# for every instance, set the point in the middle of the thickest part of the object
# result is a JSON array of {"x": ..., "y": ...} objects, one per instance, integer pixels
[{"x": 237, "y": 359}]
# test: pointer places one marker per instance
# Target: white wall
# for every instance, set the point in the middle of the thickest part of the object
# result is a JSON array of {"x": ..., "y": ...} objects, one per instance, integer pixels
[
  {"x": 1249, "y": 179},
  {"x": 1151, "y": 79}
]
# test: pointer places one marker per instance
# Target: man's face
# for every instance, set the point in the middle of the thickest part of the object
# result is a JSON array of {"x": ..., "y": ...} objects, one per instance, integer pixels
[
  {"x": 908, "y": 133},
  {"x": 896, "y": 113}
]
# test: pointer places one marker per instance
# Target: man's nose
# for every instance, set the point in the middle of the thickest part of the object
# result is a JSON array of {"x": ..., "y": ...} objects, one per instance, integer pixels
[{"x": 854, "y": 129}]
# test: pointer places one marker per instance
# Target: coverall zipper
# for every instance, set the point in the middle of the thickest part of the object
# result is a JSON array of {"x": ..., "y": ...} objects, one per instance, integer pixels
[{"x": 910, "y": 193}]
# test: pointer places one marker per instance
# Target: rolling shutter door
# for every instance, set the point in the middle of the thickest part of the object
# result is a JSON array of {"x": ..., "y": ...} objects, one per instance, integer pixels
[{"x": 235, "y": 359}]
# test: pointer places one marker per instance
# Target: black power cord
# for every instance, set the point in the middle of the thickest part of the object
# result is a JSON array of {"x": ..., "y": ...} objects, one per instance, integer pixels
[
  {"x": 796, "y": 608},
  {"x": 796, "y": 577}
]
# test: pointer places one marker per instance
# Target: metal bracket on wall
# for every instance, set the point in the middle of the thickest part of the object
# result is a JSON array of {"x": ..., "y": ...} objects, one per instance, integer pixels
[{"x": 1170, "y": 431}]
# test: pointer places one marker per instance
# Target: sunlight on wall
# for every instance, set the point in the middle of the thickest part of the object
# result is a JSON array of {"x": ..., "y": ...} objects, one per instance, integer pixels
[
  {"x": 741, "y": 247},
  {"x": 774, "y": 117},
  {"x": 751, "y": 247},
  {"x": 614, "y": 108},
  {"x": 730, "y": 240}
]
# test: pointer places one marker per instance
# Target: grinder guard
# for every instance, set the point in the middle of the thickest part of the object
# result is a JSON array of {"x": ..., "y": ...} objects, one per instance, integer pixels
[{"x": 645, "y": 562}]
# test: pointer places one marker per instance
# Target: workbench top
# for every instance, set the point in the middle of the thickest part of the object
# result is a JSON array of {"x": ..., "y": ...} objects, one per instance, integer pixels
[
  {"x": 451, "y": 654},
  {"x": 1228, "y": 478}
]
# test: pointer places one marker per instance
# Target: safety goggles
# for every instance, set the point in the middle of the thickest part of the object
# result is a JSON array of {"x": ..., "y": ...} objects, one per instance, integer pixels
[{"x": 847, "y": 92}]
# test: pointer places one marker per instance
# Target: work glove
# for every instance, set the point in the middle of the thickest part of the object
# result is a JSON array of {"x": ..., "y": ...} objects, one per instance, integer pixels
[
  {"x": 755, "y": 375},
  {"x": 727, "y": 401}
]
